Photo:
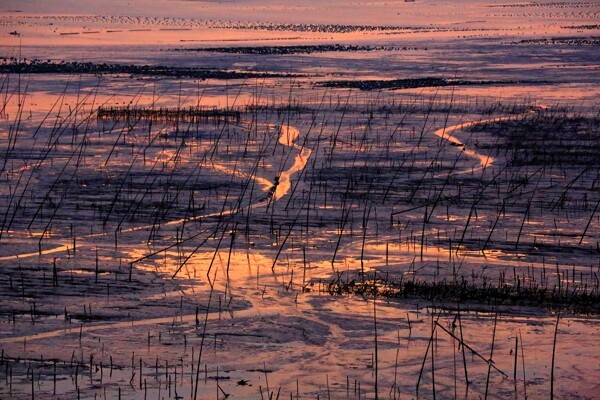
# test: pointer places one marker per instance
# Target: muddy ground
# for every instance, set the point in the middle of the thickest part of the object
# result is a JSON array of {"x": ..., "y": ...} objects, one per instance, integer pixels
[{"x": 299, "y": 206}]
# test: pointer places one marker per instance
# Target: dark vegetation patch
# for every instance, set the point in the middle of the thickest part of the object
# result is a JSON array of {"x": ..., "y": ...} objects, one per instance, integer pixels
[
  {"x": 555, "y": 4},
  {"x": 321, "y": 28},
  {"x": 589, "y": 26},
  {"x": 574, "y": 298},
  {"x": 339, "y": 28},
  {"x": 411, "y": 83},
  {"x": 547, "y": 138},
  {"x": 304, "y": 49},
  {"x": 568, "y": 41},
  {"x": 163, "y": 115},
  {"x": 11, "y": 65}
]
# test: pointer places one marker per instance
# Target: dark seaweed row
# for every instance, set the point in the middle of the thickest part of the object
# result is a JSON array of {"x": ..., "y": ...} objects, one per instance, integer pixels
[
  {"x": 339, "y": 28},
  {"x": 189, "y": 114},
  {"x": 546, "y": 138},
  {"x": 571, "y": 41},
  {"x": 322, "y": 28},
  {"x": 48, "y": 67},
  {"x": 580, "y": 300},
  {"x": 591, "y": 26},
  {"x": 412, "y": 83},
  {"x": 559, "y": 4},
  {"x": 306, "y": 49}
]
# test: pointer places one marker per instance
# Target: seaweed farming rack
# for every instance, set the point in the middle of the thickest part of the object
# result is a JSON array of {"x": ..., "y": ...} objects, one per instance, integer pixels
[{"x": 165, "y": 115}]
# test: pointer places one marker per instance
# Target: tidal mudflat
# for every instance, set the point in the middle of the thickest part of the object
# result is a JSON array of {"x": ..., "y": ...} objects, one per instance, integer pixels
[{"x": 253, "y": 199}]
